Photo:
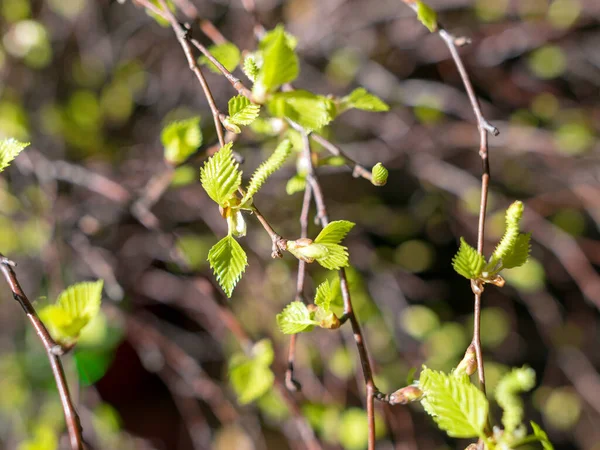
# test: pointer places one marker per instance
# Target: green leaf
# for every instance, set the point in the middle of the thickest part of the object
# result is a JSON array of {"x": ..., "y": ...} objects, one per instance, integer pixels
[
  {"x": 242, "y": 111},
  {"x": 295, "y": 184},
  {"x": 467, "y": 262},
  {"x": 228, "y": 261},
  {"x": 295, "y": 318},
  {"x": 280, "y": 63},
  {"x": 227, "y": 54},
  {"x": 325, "y": 295},
  {"x": 360, "y": 98},
  {"x": 427, "y": 16},
  {"x": 267, "y": 168},
  {"x": 334, "y": 232},
  {"x": 181, "y": 139},
  {"x": 514, "y": 214},
  {"x": 74, "y": 309},
  {"x": 335, "y": 258},
  {"x": 309, "y": 110},
  {"x": 251, "y": 377},
  {"x": 510, "y": 385},
  {"x": 220, "y": 176},
  {"x": 520, "y": 252},
  {"x": 456, "y": 405},
  {"x": 542, "y": 436},
  {"x": 379, "y": 174},
  {"x": 9, "y": 149},
  {"x": 250, "y": 68}
]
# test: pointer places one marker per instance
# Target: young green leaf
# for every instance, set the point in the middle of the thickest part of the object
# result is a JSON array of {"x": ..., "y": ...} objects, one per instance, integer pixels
[
  {"x": 335, "y": 258},
  {"x": 427, "y": 16},
  {"x": 520, "y": 252},
  {"x": 74, "y": 309},
  {"x": 280, "y": 63},
  {"x": 227, "y": 54},
  {"x": 517, "y": 381},
  {"x": 467, "y": 262},
  {"x": 242, "y": 111},
  {"x": 267, "y": 168},
  {"x": 220, "y": 176},
  {"x": 514, "y": 214},
  {"x": 324, "y": 296},
  {"x": 9, "y": 149},
  {"x": 379, "y": 174},
  {"x": 228, "y": 261},
  {"x": 542, "y": 436},
  {"x": 251, "y": 378},
  {"x": 295, "y": 184},
  {"x": 360, "y": 98},
  {"x": 456, "y": 405},
  {"x": 181, "y": 139},
  {"x": 334, "y": 232},
  {"x": 309, "y": 110},
  {"x": 296, "y": 318},
  {"x": 250, "y": 68}
]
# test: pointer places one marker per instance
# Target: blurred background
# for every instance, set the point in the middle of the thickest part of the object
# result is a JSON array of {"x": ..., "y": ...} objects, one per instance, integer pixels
[{"x": 90, "y": 85}]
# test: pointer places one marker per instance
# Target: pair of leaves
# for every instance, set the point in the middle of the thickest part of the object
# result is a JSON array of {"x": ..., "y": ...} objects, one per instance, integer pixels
[
  {"x": 279, "y": 62},
  {"x": 456, "y": 405},
  {"x": 9, "y": 150},
  {"x": 73, "y": 310},
  {"x": 221, "y": 179},
  {"x": 298, "y": 318},
  {"x": 512, "y": 250},
  {"x": 181, "y": 139},
  {"x": 326, "y": 248},
  {"x": 241, "y": 112},
  {"x": 251, "y": 376}
]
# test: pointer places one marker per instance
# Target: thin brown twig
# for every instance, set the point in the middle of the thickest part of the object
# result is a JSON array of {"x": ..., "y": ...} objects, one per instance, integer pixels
[{"x": 53, "y": 351}]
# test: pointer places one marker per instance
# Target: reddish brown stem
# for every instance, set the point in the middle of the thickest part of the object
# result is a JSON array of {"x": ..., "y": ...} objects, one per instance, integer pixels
[{"x": 53, "y": 351}]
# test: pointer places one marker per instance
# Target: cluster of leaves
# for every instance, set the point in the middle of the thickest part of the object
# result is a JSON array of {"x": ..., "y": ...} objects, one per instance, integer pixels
[
  {"x": 74, "y": 309},
  {"x": 512, "y": 251},
  {"x": 461, "y": 410}
]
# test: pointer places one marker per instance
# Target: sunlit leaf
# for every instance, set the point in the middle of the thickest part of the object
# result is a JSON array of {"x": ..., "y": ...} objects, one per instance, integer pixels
[
  {"x": 220, "y": 176},
  {"x": 324, "y": 296},
  {"x": 9, "y": 149},
  {"x": 295, "y": 184},
  {"x": 228, "y": 261},
  {"x": 467, "y": 262},
  {"x": 181, "y": 139},
  {"x": 427, "y": 16},
  {"x": 334, "y": 232},
  {"x": 309, "y": 110},
  {"x": 227, "y": 54},
  {"x": 360, "y": 98},
  {"x": 251, "y": 377},
  {"x": 242, "y": 111},
  {"x": 456, "y": 405},
  {"x": 295, "y": 318},
  {"x": 542, "y": 436},
  {"x": 280, "y": 63}
]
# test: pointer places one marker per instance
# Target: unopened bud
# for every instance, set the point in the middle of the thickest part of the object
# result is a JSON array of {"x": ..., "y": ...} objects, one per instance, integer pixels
[
  {"x": 405, "y": 395},
  {"x": 468, "y": 365},
  {"x": 379, "y": 174}
]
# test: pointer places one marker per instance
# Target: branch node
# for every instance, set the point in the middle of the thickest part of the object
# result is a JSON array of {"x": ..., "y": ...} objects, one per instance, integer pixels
[
  {"x": 462, "y": 41},
  {"x": 489, "y": 127},
  {"x": 4, "y": 260}
]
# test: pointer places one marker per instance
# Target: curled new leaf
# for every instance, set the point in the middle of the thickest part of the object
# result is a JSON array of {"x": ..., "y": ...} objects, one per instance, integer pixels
[
  {"x": 379, "y": 175},
  {"x": 467, "y": 262},
  {"x": 73, "y": 310},
  {"x": 242, "y": 111},
  {"x": 517, "y": 381},
  {"x": 228, "y": 261},
  {"x": 456, "y": 405},
  {"x": 9, "y": 149},
  {"x": 181, "y": 139},
  {"x": 220, "y": 176},
  {"x": 325, "y": 295},
  {"x": 514, "y": 214},
  {"x": 250, "y": 68},
  {"x": 266, "y": 169}
]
